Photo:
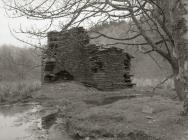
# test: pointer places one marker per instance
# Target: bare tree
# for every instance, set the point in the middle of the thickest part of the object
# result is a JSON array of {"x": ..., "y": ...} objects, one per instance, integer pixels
[
  {"x": 165, "y": 18},
  {"x": 18, "y": 63}
]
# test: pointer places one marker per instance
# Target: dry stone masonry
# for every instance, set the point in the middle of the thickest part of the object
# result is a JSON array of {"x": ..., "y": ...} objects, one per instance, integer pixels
[{"x": 70, "y": 56}]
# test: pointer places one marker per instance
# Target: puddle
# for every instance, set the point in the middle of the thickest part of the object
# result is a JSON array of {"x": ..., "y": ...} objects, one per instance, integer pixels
[
  {"x": 24, "y": 122},
  {"x": 20, "y": 122}
]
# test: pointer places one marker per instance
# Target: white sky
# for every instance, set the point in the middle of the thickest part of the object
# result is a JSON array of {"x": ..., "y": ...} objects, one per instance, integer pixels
[
  {"x": 5, "y": 35},
  {"x": 6, "y": 38}
]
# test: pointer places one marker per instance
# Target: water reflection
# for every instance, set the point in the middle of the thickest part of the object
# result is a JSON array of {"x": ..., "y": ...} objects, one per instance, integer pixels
[{"x": 21, "y": 122}]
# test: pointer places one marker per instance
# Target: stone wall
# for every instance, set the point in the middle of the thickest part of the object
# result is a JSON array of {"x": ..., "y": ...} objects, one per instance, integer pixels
[{"x": 103, "y": 68}]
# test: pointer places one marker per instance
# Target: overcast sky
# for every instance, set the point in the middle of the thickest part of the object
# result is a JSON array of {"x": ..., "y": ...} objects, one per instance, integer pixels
[
  {"x": 6, "y": 38},
  {"x": 5, "y": 35}
]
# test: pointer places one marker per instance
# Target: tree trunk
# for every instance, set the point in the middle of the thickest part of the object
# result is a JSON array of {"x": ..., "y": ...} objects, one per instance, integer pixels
[
  {"x": 176, "y": 14},
  {"x": 180, "y": 35},
  {"x": 179, "y": 88}
]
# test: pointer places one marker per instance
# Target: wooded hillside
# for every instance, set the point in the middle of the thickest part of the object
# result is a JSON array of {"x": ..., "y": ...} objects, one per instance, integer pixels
[{"x": 144, "y": 66}]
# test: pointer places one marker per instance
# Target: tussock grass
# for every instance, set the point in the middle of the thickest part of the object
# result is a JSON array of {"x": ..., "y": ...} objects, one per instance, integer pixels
[{"x": 19, "y": 89}]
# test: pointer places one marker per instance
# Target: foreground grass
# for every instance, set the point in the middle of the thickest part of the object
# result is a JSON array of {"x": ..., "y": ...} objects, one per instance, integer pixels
[
  {"x": 93, "y": 114},
  {"x": 17, "y": 90},
  {"x": 155, "y": 118},
  {"x": 108, "y": 115}
]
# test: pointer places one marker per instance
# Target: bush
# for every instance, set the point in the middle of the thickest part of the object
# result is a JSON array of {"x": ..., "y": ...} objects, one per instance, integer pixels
[{"x": 18, "y": 89}]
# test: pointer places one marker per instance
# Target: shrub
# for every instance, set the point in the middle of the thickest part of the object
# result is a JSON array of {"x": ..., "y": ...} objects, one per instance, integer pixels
[{"x": 18, "y": 89}]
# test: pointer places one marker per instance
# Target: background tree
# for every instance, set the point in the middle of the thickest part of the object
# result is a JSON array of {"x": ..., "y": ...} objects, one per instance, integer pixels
[
  {"x": 165, "y": 18},
  {"x": 17, "y": 64}
]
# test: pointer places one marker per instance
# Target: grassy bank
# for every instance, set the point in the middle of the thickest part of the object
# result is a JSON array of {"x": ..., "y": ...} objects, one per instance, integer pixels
[{"x": 12, "y": 91}]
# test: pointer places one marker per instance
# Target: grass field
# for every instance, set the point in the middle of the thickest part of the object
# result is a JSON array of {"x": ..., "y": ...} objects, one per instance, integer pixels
[{"x": 130, "y": 114}]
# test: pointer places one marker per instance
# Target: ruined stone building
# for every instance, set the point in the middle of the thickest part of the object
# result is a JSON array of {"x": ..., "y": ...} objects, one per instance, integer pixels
[{"x": 70, "y": 56}]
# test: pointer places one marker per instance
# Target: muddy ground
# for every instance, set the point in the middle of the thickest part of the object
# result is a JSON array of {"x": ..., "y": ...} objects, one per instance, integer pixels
[{"x": 70, "y": 111}]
